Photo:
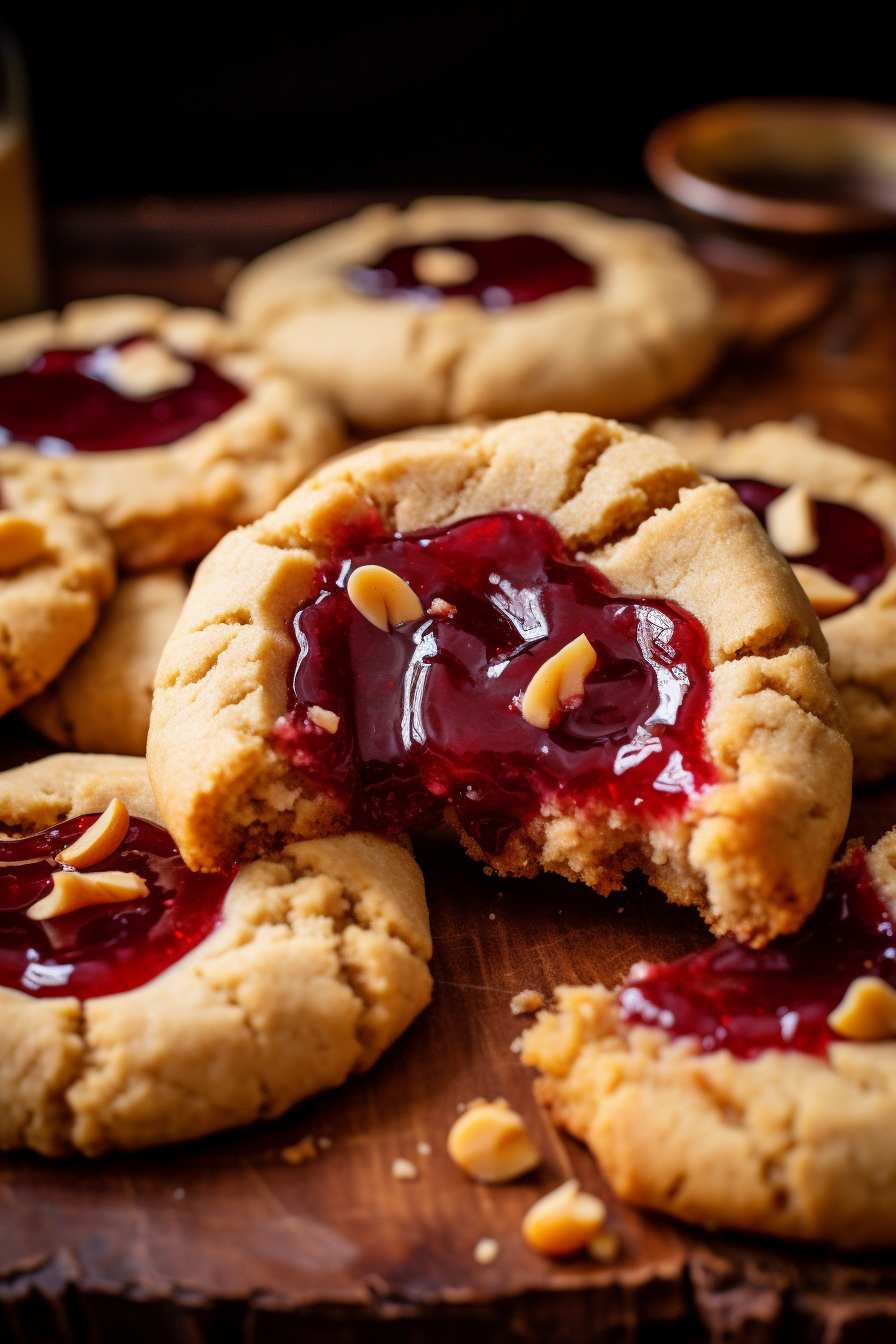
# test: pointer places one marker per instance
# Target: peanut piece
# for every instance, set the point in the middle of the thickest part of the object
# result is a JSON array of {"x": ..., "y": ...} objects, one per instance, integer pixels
[
  {"x": 403, "y": 1170},
  {"x": 486, "y": 1251},
  {"x": 21, "y": 541},
  {"x": 77, "y": 891},
  {"x": 867, "y": 1011},
  {"x": 443, "y": 266},
  {"x": 324, "y": 718},
  {"x": 790, "y": 522},
  {"x": 490, "y": 1142},
  {"x": 297, "y": 1153},
  {"x": 527, "y": 1001},
  {"x": 564, "y": 1221},
  {"x": 827, "y": 595},
  {"x": 604, "y": 1246},
  {"x": 559, "y": 683},
  {"x": 145, "y": 368},
  {"x": 382, "y": 597},
  {"x": 99, "y": 840}
]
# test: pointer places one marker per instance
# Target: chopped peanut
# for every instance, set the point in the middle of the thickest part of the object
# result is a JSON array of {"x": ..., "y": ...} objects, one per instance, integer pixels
[
  {"x": 146, "y": 368},
  {"x": 382, "y": 597},
  {"x": 558, "y": 683},
  {"x": 439, "y": 607},
  {"x": 604, "y": 1246},
  {"x": 790, "y": 522},
  {"x": 527, "y": 1001},
  {"x": 21, "y": 541},
  {"x": 297, "y": 1153},
  {"x": 77, "y": 891},
  {"x": 564, "y": 1221},
  {"x": 99, "y": 840},
  {"x": 403, "y": 1170},
  {"x": 490, "y": 1142},
  {"x": 324, "y": 718},
  {"x": 486, "y": 1251},
  {"x": 827, "y": 595},
  {"x": 443, "y": 266},
  {"x": 867, "y": 1011}
]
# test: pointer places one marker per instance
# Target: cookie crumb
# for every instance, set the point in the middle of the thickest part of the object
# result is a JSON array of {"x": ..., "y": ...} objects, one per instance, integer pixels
[
  {"x": 403, "y": 1170},
  {"x": 179, "y": 1193},
  {"x": 491, "y": 916},
  {"x": 424, "y": 1149},
  {"x": 517, "y": 1045},
  {"x": 323, "y": 718},
  {"x": 439, "y": 607},
  {"x": 604, "y": 1247},
  {"x": 485, "y": 1252},
  {"x": 324, "y": 1143},
  {"x": 527, "y": 1001},
  {"x": 297, "y": 1153}
]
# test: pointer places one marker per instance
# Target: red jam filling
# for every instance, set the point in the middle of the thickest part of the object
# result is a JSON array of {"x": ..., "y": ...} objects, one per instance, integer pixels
[
  {"x": 851, "y": 547},
  {"x": 102, "y": 949},
  {"x": 429, "y": 713},
  {"x": 509, "y": 271},
  {"x": 60, "y": 403},
  {"x": 736, "y": 998}
]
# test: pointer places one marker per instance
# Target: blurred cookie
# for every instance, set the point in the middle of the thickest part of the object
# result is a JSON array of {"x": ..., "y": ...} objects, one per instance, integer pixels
[
  {"x": 102, "y": 699},
  {"x": 832, "y": 512},
  {"x": 459, "y": 307},
  {"x": 141, "y": 1003},
  {"x": 548, "y": 634},
  {"x": 56, "y": 568},
  {"x": 160, "y": 422}
]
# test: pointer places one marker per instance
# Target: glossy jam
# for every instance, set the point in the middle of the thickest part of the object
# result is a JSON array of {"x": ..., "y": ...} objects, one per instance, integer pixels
[
  {"x": 429, "y": 712},
  {"x": 510, "y": 271},
  {"x": 108, "y": 948},
  {"x": 736, "y": 998},
  {"x": 58, "y": 405},
  {"x": 852, "y": 548}
]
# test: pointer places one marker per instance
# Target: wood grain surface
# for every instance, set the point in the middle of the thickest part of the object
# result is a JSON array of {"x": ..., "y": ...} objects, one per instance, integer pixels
[{"x": 225, "y": 1241}]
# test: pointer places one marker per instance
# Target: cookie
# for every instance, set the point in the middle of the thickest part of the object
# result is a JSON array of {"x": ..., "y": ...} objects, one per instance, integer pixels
[
  {"x": 854, "y": 503},
  {"x": 459, "y": 307},
  {"x": 255, "y": 990},
  {"x": 703, "y": 741},
  {"x": 160, "y": 422},
  {"x": 56, "y": 568},
  {"x": 753, "y": 1090},
  {"x": 102, "y": 699}
]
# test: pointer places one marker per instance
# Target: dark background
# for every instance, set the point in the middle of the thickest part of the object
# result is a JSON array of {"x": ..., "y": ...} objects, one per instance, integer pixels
[{"x": 164, "y": 99}]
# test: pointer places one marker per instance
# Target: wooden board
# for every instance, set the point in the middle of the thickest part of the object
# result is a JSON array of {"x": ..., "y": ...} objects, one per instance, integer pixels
[{"x": 223, "y": 1240}]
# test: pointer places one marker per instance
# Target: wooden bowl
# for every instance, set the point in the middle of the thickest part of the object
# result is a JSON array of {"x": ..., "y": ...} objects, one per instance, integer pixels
[{"x": 811, "y": 166}]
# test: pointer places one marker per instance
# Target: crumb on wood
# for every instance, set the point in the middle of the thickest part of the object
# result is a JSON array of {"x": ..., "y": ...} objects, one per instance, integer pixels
[
  {"x": 297, "y": 1153},
  {"x": 527, "y": 1001},
  {"x": 516, "y": 1045},
  {"x": 485, "y": 1252},
  {"x": 424, "y": 1148},
  {"x": 403, "y": 1170}
]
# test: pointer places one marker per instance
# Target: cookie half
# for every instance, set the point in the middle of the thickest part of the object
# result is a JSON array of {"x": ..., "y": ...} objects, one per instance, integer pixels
[
  {"x": 101, "y": 700},
  {"x": 754, "y": 1090},
  {"x": 461, "y": 307},
  {"x": 703, "y": 742},
  {"x": 163, "y": 423},
  {"x": 56, "y": 569},
  {"x": 204, "y": 1002},
  {"x": 850, "y": 501}
]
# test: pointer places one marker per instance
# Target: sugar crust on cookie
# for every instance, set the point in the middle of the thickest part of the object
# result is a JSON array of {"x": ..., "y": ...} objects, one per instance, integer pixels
[
  {"x": 649, "y": 330},
  {"x": 170, "y": 504},
  {"x": 49, "y": 607},
  {"x": 318, "y": 966},
  {"x": 862, "y": 640},
  {"x": 786, "y": 1143},
  {"x": 752, "y": 852}
]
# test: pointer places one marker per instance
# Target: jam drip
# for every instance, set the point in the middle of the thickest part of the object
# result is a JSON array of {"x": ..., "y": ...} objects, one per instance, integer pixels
[
  {"x": 108, "y": 948},
  {"x": 852, "y": 548},
  {"x": 739, "y": 999},
  {"x": 509, "y": 271},
  {"x": 56, "y": 404},
  {"x": 429, "y": 712}
]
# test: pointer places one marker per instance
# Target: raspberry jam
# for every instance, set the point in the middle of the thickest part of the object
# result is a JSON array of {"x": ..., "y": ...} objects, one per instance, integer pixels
[
  {"x": 739, "y": 999},
  {"x": 102, "y": 949},
  {"x": 58, "y": 404},
  {"x": 429, "y": 713},
  {"x": 509, "y": 271},
  {"x": 852, "y": 548}
]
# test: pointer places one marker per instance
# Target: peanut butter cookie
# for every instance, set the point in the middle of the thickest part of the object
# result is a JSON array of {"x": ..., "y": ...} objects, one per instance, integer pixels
[
  {"x": 163, "y": 423},
  {"x": 141, "y": 1003},
  {"x": 552, "y": 634},
  {"x": 459, "y": 307}
]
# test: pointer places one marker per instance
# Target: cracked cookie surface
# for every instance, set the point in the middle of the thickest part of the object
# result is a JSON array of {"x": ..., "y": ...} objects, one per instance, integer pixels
[
  {"x": 786, "y": 1143},
  {"x": 170, "y": 504},
  {"x": 751, "y": 852},
  {"x": 318, "y": 965},
  {"x": 862, "y": 639},
  {"x": 649, "y": 327},
  {"x": 50, "y": 605}
]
